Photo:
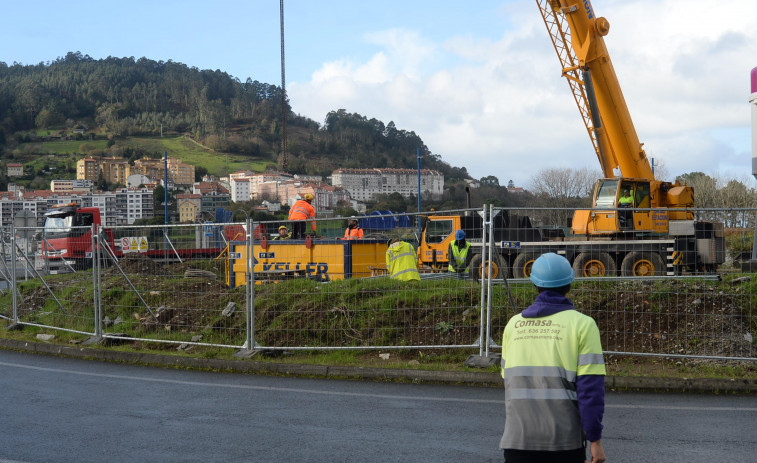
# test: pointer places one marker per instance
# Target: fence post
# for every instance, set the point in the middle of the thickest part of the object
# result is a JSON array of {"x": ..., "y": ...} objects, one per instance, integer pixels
[
  {"x": 481, "y": 330},
  {"x": 12, "y": 266},
  {"x": 489, "y": 279},
  {"x": 249, "y": 276},
  {"x": 96, "y": 281}
]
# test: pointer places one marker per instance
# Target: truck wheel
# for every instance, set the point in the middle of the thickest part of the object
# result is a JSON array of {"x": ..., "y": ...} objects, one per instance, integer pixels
[
  {"x": 642, "y": 264},
  {"x": 594, "y": 264},
  {"x": 522, "y": 264},
  {"x": 479, "y": 266}
]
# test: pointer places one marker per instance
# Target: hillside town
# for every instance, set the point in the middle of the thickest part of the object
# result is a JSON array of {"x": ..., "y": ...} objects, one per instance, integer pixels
[{"x": 197, "y": 201}]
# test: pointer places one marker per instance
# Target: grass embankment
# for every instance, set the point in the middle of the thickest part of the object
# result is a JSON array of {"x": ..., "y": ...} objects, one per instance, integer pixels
[{"x": 692, "y": 317}]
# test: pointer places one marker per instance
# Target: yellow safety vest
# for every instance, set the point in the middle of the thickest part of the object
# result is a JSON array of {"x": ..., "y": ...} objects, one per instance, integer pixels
[
  {"x": 401, "y": 262},
  {"x": 459, "y": 255}
]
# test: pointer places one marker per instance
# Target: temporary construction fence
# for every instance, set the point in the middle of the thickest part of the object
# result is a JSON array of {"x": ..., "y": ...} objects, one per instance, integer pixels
[{"x": 235, "y": 285}]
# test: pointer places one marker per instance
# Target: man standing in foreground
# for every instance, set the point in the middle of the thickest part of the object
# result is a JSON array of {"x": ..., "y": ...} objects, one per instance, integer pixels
[
  {"x": 554, "y": 371},
  {"x": 301, "y": 211}
]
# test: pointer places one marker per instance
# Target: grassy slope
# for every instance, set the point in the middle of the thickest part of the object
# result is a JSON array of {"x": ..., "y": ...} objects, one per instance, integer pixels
[
  {"x": 179, "y": 147},
  {"x": 374, "y": 314}
]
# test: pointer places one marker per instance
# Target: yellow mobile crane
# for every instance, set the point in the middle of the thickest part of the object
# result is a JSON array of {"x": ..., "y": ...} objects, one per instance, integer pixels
[
  {"x": 578, "y": 37},
  {"x": 649, "y": 231}
]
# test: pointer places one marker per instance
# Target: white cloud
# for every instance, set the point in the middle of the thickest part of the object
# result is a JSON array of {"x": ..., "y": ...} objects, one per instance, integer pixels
[{"x": 501, "y": 108}]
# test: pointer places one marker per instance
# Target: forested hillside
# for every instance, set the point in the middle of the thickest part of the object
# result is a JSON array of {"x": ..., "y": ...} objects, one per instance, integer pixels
[{"x": 126, "y": 97}]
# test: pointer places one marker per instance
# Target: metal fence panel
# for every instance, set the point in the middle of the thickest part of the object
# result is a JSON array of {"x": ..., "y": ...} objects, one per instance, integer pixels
[
  {"x": 168, "y": 284},
  {"x": 683, "y": 293}
]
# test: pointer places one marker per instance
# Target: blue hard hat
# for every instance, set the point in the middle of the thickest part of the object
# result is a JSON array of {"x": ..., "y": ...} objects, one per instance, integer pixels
[
  {"x": 459, "y": 235},
  {"x": 551, "y": 271}
]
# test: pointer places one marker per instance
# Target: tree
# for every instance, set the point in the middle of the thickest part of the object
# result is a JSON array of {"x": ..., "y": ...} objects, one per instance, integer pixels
[
  {"x": 200, "y": 172},
  {"x": 735, "y": 195},
  {"x": 705, "y": 188},
  {"x": 489, "y": 180},
  {"x": 563, "y": 188},
  {"x": 394, "y": 202}
]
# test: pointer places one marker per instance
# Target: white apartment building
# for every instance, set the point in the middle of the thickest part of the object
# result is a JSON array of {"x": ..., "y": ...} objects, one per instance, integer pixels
[
  {"x": 239, "y": 187},
  {"x": 121, "y": 207},
  {"x": 366, "y": 184}
]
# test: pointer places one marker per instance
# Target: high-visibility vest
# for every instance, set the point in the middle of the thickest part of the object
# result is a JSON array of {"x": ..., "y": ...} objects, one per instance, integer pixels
[
  {"x": 459, "y": 255},
  {"x": 625, "y": 200},
  {"x": 302, "y": 210},
  {"x": 402, "y": 262},
  {"x": 353, "y": 233},
  {"x": 541, "y": 359}
]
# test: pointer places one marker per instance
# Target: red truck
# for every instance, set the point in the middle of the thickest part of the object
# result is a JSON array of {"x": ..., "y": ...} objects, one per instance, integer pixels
[{"x": 66, "y": 243}]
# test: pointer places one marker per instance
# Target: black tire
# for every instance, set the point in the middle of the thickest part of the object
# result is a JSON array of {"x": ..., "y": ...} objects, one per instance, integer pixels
[
  {"x": 594, "y": 264},
  {"x": 522, "y": 264},
  {"x": 479, "y": 266},
  {"x": 642, "y": 264}
]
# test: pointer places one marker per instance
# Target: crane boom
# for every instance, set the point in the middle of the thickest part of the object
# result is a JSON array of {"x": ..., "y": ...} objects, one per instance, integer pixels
[{"x": 577, "y": 35}]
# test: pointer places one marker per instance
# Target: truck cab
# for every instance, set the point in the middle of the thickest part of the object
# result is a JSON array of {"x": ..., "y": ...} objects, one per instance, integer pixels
[{"x": 66, "y": 239}]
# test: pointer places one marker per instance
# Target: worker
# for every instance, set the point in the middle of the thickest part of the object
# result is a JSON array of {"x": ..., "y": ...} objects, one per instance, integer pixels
[
  {"x": 283, "y": 233},
  {"x": 625, "y": 216},
  {"x": 554, "y": 370},
  {"x": 353, "y": 231},
  {"x": 401, "y": 261},
  {"x": 459, "y": 257},
  {"x": 301, "y": 211}
]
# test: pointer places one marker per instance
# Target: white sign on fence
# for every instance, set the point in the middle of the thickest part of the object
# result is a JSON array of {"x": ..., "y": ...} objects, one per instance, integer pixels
[{"x": 134, "y": 244}]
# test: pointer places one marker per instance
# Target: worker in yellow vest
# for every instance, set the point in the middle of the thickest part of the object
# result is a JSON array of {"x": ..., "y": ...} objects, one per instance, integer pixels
[
  {"x": 401, "y": 261},
  {"x": 554, "y": 371},
  {"x": 625, "y": 214},
  {"x": 284, "y": 233},
  {"x": 459, "y": 255}
]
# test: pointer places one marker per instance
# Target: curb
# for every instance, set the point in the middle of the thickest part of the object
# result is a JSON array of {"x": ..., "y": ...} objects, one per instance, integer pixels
[{"x": 485, "y": 379}]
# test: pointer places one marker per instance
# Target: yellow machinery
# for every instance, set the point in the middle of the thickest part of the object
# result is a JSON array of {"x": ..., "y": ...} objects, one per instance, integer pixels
[{"x": 321, "y": 260}]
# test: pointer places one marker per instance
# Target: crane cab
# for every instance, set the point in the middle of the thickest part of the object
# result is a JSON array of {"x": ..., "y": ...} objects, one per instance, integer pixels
[{"x": 621, "y": 206}]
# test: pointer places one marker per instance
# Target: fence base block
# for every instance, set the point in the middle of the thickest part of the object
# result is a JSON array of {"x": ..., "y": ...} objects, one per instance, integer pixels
[{"x": 482, "y": 361}]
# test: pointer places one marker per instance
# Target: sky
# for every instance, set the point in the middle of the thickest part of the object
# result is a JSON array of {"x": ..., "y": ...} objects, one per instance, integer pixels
[{"x": 479, "y": 82}]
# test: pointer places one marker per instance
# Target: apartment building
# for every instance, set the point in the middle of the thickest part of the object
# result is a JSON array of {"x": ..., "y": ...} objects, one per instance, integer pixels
[
  {"x": 87, "y": 169},
  {"x": 367, "y": 184},
  {"x": 179, "y": 173},
  {"x": 71, "y": 186}
]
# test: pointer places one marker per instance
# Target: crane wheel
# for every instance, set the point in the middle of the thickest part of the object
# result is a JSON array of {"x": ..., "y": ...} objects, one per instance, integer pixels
[
  {"x": 479, "y": 267},
  {"x": 642, "y": 264},
  {"x": 522, "y": 264},
  {"x": 594, "y": 264}
]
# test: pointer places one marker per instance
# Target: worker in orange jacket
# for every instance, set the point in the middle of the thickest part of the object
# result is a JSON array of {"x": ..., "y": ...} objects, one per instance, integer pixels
[
  {"x": 353, "y": 231},
  {"x": 300, "y": 212}
]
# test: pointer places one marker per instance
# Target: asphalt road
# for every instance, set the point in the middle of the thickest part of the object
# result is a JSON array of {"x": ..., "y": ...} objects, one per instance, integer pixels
[{"x": 63, "y": 409}]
